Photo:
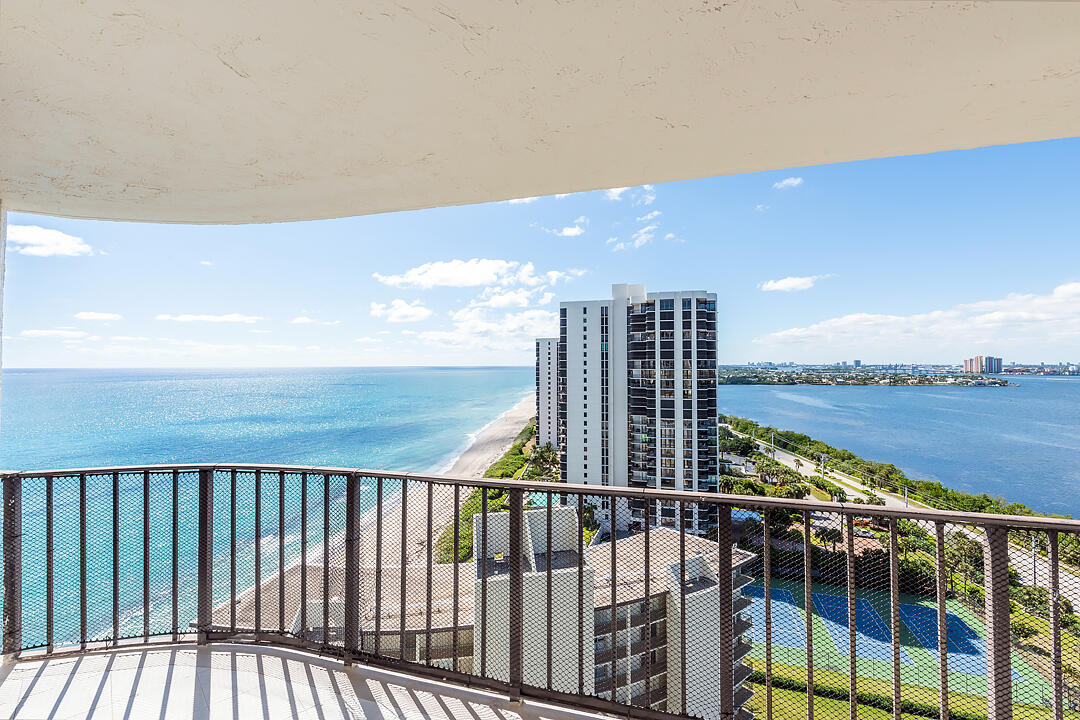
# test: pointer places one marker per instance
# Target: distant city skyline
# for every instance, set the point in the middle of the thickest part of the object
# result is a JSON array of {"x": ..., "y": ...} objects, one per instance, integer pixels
[{"x": 924, "y": 259}]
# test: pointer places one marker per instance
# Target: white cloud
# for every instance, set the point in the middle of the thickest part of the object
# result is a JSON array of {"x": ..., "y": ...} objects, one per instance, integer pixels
[
  {"x": 523, "y": 201},
  {"x": 226, "y": 318},
  {"x": 571, "y": 230},
  {"x": 792, "y": 283},
  {"x": 761, "y": 207},
  {"x": 367, "y": 340},
  {"x": 1021, "y": 323},
  {"x": 615, "y": 193},
  {"x": 646, "y": 196},
  {"x": 87, "y": 315},
  {"x": 305, "y": 320},
  {"x": 479, "y": 328},
  {"x": 384, "y": 332},
  {"x": 650, "y": 216},
  {"x": 643, "y": 235},
  {"x": 43, "y": 242},
  {"x": 452, "y": 273},
  {"x": 505, "y": 298},
  {"x": 61, "y": 334},
  {"x": 474, "y": 273},
  {"x": 128, "y": 338},
  {"x": 206, "y": 263},
  {"x": 400, "y": 311},
  {"x": 788, "y": 183},
  {"x": 560, "y": 196}
]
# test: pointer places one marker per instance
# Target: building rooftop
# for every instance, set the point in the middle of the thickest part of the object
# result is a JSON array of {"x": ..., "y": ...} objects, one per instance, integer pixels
[{"x": 663, "y": 551}]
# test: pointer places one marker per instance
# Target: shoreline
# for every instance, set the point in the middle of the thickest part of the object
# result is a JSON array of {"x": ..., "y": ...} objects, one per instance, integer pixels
[
  {"x": 491, "y": 443},
  {"x": 488, "y": 445}
]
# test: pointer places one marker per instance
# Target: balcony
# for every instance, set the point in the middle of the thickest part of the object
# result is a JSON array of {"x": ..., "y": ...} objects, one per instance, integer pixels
[
  {"x": 239, "y": 681},
  {"x": 217, "y": 582}
]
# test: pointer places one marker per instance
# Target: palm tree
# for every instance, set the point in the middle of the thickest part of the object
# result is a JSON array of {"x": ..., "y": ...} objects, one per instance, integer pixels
[{"x": 798, "y": 464}]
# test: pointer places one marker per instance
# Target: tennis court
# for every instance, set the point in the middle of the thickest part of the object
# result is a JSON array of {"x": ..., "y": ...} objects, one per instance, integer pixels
[
  {"x": 966, "y": 650},
  {"x": 873, "y": 639},
  {"x": 788, "y": 628}
]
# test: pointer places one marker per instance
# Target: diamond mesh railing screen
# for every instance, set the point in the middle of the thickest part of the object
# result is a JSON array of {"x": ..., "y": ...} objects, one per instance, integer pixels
[{"x": 696, "y": 606}]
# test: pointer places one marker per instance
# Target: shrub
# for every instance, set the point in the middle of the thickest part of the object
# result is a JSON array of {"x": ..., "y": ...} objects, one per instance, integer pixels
[{"x": 1022, "y": 628}]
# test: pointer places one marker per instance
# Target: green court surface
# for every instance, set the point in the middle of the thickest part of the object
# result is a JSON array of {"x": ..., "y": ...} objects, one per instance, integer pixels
[{"x": 919, "y": 667}]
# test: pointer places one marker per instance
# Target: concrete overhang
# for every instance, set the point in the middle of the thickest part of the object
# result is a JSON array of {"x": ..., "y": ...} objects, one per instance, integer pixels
[{"x": 228, "y": 112}]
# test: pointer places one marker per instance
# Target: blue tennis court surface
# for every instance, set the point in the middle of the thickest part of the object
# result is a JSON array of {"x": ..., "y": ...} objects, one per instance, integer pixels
[
  {"x": 788, "y": 628},
  {"x": 873, "y": 639},
  {"x": 966, "y": 650}
]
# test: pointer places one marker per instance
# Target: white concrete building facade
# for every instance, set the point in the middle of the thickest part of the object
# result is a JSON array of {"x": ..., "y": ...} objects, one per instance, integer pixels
[
  {"x": 637, "y": 396},
  {"x": 547, "y": 391},
  {"x": 631, "y": 637}
]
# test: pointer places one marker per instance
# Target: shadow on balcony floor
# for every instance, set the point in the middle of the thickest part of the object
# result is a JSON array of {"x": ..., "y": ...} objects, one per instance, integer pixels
[{"x": 238, "y": 681}]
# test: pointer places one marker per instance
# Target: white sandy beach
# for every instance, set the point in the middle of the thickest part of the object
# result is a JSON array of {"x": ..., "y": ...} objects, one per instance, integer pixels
[{"x": 492, "y": 442}]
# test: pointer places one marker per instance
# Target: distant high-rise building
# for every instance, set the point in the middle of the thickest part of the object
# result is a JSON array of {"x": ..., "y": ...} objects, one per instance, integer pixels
[
  {"x": 637, "y": 396},
  {"x": 547, "y": 391},
  {"x": 858, "y": 363},
  {"x": 980, "y": 364}
]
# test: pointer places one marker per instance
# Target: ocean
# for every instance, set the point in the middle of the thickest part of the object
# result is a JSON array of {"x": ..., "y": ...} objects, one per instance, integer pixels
[
  {"x": 404, "y": 419},
  {"x": 408, "y": 419},
  {"x": 1020, "y": 442}
]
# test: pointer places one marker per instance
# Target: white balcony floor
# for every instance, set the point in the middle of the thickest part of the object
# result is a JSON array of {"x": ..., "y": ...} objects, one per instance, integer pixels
[{"x": 238, "y": 681}]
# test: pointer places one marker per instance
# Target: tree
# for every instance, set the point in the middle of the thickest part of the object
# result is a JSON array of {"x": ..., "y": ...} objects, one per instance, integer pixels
[
  {"x": 547, "y": 459},
  {"x": 830, "y": 535},
  {"x": 725, "y": 484}
]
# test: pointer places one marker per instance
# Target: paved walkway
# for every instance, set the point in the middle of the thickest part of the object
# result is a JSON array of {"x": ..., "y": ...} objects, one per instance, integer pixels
[{"x": 238, "y": 681}]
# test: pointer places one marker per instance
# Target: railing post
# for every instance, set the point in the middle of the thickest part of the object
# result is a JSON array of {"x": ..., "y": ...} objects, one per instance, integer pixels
[
  {"x": 12, "y": 566},
  {"x": 352, "y": 566},
  {"x": 517, "y": 600},
  {"x": 724, "y": 609},
  {"x": 206, "y": 554},
  {"x": 998, "y": 640}
]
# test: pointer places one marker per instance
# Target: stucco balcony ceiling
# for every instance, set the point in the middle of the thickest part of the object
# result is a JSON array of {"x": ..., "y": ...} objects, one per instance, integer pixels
[{"x": 247, "y": 112}]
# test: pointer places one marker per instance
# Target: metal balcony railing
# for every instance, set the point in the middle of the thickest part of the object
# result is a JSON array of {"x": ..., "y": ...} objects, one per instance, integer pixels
[{"x": 512, "y": 586}]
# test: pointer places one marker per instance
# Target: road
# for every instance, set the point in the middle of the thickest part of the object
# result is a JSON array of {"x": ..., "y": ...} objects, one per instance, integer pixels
[{"x": 1032, "y": 571}]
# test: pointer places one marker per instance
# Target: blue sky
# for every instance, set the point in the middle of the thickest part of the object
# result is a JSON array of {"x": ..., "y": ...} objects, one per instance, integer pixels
[{"x": 919, "y": 259}]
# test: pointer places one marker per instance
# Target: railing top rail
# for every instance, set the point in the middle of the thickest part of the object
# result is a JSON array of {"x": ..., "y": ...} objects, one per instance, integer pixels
[{"x": 1026, "y": 522}]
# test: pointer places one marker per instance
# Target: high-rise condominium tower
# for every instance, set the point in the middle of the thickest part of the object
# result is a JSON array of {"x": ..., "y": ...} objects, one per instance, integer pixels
[
  {"x": 637, "y": 397},
  {"x": 547, "y": 391}
]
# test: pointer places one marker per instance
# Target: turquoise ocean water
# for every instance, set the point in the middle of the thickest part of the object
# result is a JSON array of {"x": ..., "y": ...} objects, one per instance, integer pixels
[
  {"x": 415, "y": 419},
  {"x": 407, "y": 419},
  {"x": 1020, "y": 442}
]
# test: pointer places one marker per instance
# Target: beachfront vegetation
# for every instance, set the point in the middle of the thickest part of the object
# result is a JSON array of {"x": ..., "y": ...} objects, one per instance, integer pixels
[
  {"x": 889, "y": 478},
  {"x": 885, "y": 476},
  {"x": 524, "y": 460},
  {"x": 515, "y": 458}
]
